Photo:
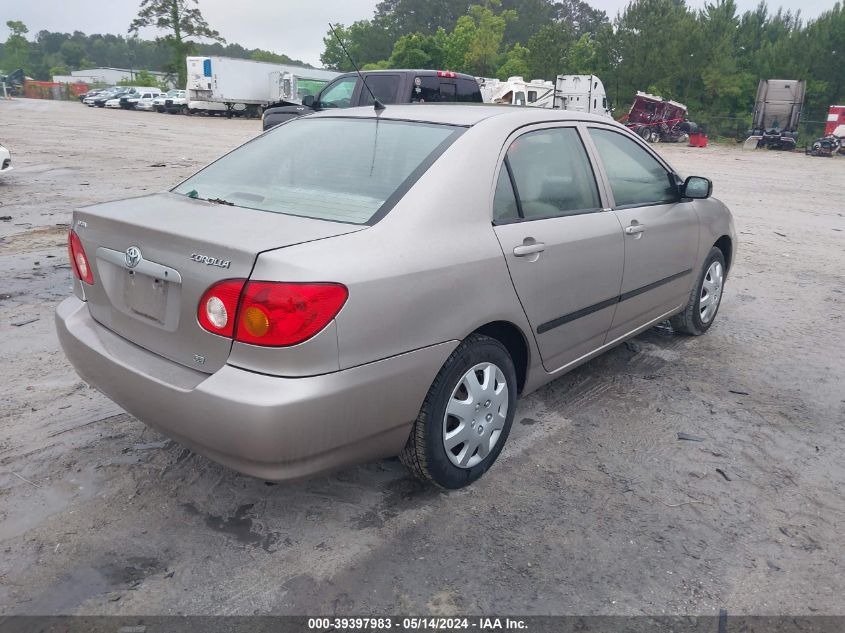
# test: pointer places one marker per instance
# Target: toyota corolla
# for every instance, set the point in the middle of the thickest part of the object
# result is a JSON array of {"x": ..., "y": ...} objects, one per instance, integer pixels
[{"x": 357, "y": 285}]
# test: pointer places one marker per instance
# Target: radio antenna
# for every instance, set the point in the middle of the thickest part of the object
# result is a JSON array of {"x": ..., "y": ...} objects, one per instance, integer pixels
[{"x": 377, "y": 105}]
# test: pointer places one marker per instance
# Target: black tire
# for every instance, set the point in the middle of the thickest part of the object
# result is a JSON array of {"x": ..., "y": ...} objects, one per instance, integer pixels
[
  {"x": 689, "y": 321},
  {"x": 425, "y": 454}
]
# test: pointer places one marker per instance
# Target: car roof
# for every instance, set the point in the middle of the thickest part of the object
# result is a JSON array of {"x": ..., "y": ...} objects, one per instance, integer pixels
[
  {"x": 464, "y": 114},
  {"x": 422, "y": 72}
]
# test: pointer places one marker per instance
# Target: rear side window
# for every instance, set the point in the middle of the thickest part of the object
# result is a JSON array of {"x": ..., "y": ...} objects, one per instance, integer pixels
[
  {"x": 340, "y": 169},
  {"x": 552, "y": 174},
  {"x": 468, "y": 90},
  {"x": 384, "y": 87},
  {"x": 504, "y": 200},
  {"x": 431, "y": 89},
  {"x": 636, "y": 177}
]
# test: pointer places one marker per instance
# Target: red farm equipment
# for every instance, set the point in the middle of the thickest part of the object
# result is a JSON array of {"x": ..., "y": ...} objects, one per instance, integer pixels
[{"x": 657, "y": 119}]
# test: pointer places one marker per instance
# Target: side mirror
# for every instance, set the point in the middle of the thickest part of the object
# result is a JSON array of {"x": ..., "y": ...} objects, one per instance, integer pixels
[
  {"x": 308, "y": 101},
  {"x": 697, "y": 187}
]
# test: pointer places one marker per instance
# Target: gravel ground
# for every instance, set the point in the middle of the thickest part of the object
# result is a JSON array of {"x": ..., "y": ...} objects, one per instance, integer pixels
[{"x": 594, "y": 508}]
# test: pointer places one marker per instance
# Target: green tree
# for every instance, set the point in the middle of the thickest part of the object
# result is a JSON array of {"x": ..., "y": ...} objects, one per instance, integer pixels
[
  {"x": 515, "y": 63},
  {"x": 367, "y": 41},
  {"x": 409, "y": 52},
  {"x": 486, "y": 44},
  {"x": 182, "y": 20},
  {"x": 16, "y": 48},
  {"x": 582, "y": 57},
  {"x": 458, "y": 43},
  {"x": 419, "y": 51},
  {"x": 548, "y": 49}
]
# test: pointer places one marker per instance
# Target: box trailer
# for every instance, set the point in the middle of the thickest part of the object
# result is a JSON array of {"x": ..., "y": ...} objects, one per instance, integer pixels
[{"x": 255, "y": 84}]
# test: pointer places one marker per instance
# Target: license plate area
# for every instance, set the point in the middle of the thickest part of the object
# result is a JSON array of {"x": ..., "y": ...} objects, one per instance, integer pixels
[
  {"x": 145, "y": 296},
  {"x": 150, "y": 292}
]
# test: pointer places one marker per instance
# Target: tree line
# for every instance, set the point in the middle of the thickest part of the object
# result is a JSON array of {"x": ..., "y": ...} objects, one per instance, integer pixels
[
  {"x": 51, "y": 53},
  {"x": 710, "y": 59}
]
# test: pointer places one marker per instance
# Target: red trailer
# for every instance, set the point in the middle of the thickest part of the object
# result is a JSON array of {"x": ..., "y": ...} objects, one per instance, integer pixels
[
  {"x": 835, "y": 118},
  {"x": 657, "y": 119}
]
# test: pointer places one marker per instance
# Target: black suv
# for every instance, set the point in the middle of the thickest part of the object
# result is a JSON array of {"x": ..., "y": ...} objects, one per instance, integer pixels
[{"x": 389, "y": 86}]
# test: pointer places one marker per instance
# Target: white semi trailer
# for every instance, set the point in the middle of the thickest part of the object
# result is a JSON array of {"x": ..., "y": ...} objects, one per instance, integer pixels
[
  {"x": 581, "y": 93},
  {"x": 231, "y": 81}
]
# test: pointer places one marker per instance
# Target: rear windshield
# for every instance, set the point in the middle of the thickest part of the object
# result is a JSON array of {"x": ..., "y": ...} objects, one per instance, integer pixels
[{"x": 339, "y": 169}]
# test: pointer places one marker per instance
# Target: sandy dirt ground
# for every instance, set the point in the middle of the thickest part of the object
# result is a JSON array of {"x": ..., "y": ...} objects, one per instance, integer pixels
[{"x": 595, "y": 506}]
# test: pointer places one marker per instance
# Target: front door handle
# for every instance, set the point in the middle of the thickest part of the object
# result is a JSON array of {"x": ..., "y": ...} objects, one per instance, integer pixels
[
  {"x": 634, "y": 229},
  {"x": 529, "y": 249}
]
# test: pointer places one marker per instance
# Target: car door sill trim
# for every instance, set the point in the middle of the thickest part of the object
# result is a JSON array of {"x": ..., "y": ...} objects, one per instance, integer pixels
[
  {"x": 617, "y": 340},
  {"x": 601, "y": 305}
]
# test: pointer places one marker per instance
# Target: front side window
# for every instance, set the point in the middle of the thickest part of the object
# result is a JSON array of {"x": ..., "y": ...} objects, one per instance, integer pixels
[
  {"x": 636, "y": 177},
  {"x": 339, "y": 95},
  {"x": 340, "y": 169},
  {"x": 552, "y": 174}
]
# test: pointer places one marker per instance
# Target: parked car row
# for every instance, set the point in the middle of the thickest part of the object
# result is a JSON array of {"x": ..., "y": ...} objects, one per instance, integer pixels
[{"x": 154, "y": 100}]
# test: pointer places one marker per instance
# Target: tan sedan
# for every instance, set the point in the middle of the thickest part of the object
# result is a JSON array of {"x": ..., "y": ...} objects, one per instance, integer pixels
[{"x": 355, "y": 285}]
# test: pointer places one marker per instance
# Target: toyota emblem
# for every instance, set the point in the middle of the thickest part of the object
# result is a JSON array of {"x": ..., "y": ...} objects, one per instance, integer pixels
[{"x": 133, "y": 256}]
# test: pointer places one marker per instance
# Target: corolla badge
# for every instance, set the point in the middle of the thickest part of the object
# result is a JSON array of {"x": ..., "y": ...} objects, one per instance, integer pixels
[
  {"x": 133, "y": 256},
  {"x": 211, "y": 261}
]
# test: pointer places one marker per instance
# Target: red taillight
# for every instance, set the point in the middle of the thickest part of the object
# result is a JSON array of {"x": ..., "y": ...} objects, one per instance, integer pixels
[
  {"x": 269, "y": 313},
  {"x": 218, "y": 307},
  {"x": 278, "y": 314},
  {"x": 446, "y": 73},
  {"x": 78, "y": 259}
]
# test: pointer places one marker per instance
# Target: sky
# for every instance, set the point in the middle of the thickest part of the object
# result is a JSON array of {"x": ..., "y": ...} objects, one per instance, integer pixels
[{"x": 293, "y": 27}]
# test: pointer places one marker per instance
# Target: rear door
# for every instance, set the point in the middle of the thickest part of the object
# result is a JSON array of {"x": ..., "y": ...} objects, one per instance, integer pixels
[
  {"x": 563, "y": 250},
  {"x": 660, "y": 230}
]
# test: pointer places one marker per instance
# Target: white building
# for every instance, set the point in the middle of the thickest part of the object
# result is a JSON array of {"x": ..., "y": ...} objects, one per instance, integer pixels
[{"x": 110, "y": 76}]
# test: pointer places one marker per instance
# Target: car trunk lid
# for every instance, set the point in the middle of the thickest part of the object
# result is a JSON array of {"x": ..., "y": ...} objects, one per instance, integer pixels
[{"x": 153, "y": 258}]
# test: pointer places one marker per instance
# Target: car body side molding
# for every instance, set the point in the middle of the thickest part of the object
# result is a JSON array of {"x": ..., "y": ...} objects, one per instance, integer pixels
[{"x": 601, "y": 305}]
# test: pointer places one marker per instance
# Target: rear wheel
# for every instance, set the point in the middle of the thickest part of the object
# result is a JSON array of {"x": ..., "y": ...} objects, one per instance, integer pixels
[
  {"x": 466, "y": 416},
  {"x": 705, "y": 298}
]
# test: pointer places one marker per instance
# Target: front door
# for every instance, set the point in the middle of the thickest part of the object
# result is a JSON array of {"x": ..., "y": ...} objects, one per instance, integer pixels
[
  {"x": 660, "y": 231},
  {"x": 564, "y": 253}
]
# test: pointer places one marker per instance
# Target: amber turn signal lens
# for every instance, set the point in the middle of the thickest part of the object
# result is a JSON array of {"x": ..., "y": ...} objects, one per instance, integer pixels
[{"x": 256, "y": 321}]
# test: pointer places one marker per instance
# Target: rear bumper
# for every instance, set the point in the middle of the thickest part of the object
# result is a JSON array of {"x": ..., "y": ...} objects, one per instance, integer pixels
[{"x": 270, "y": 427}]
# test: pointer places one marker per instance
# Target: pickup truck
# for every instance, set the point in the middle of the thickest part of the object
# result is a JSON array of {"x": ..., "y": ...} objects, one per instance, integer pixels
[{"x": 389, "y": 86}]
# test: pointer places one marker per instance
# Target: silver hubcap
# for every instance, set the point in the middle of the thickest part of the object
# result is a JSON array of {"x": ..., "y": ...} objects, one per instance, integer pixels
[
  {"x": 475, "y": 415},
  {"x": 711, "y": 292}
]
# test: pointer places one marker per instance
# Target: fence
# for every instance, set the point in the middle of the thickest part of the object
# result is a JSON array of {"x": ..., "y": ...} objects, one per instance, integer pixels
[
  {"x": 52, "y": 90},
  {"x": 737, "y": 128}
]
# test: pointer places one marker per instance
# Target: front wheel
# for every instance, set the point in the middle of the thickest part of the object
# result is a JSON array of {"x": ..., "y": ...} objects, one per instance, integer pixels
[
  {"x": 466, "y": 417},
  {"x": 705, "y": 298}
]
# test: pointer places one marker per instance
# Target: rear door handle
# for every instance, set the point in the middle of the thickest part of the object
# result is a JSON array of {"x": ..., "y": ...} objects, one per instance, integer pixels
[
  {"x": 529, "y": 249},
  {"x": 634, "y": 229}
]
